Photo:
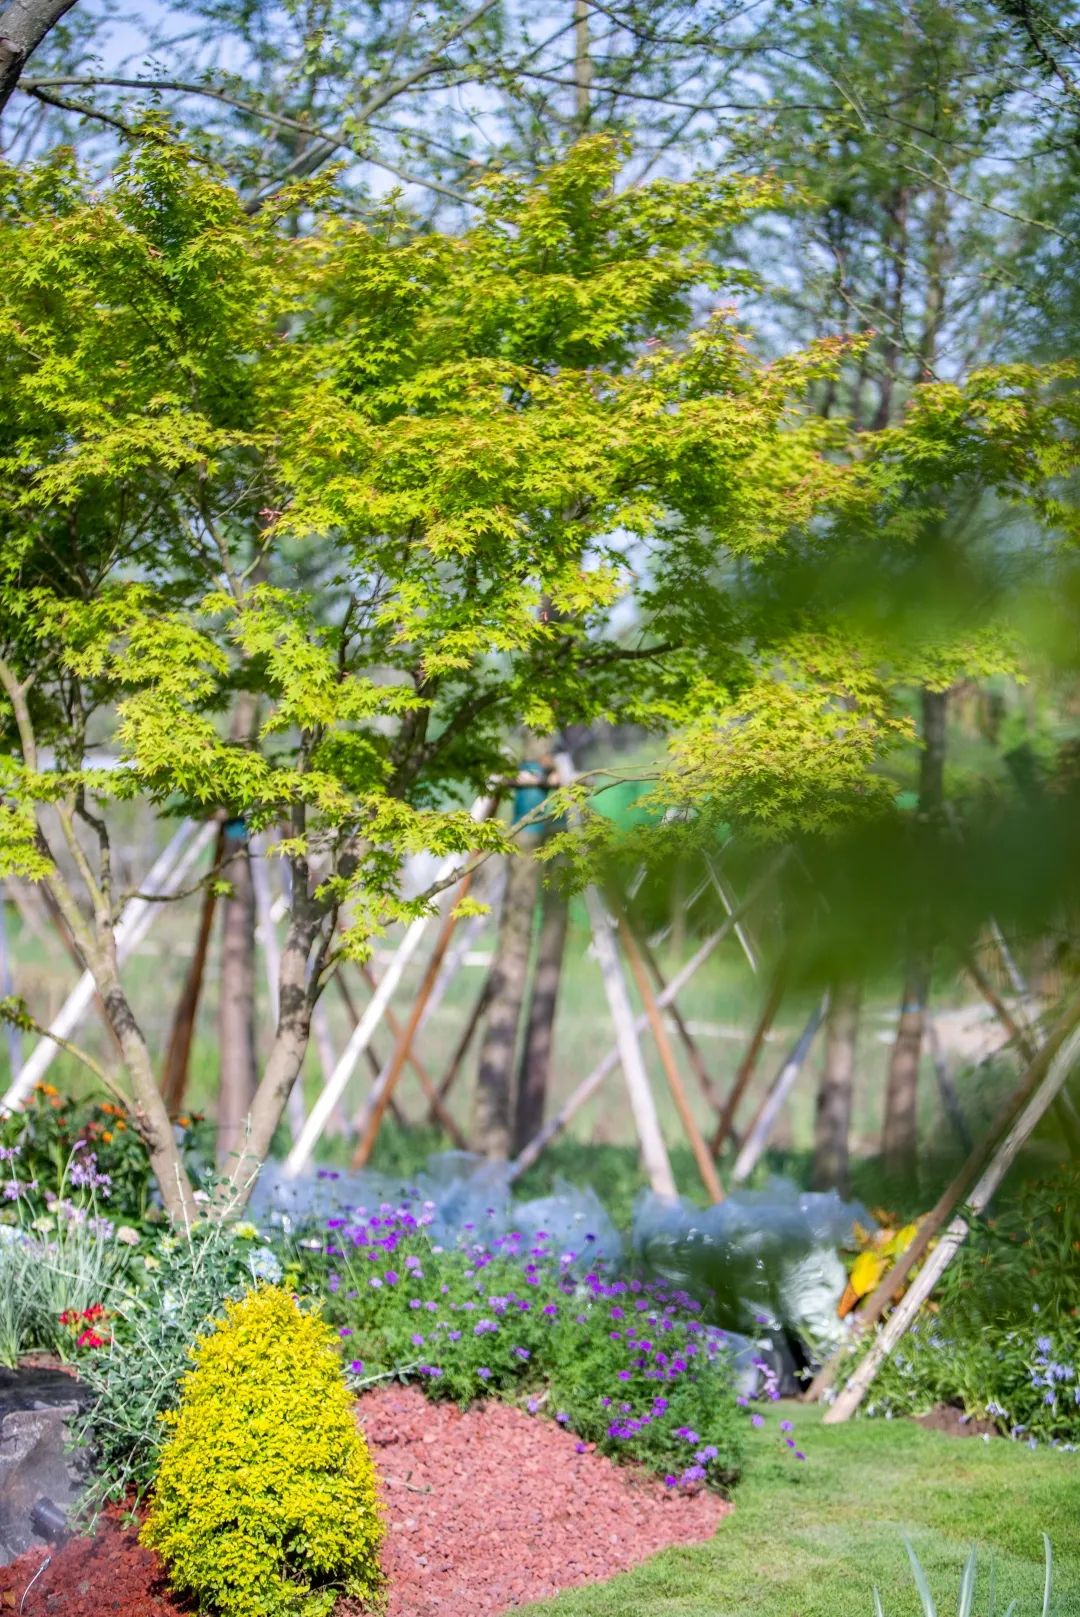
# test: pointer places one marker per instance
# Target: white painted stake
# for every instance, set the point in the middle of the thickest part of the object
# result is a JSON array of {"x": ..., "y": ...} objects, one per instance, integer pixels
[
  {"x": 724, "y": 893},
  {"x": 653, "y": 1150},
  {"x": 757, "y": 1137},
  {"x": 334, "y": 1088},
  {"x": 163, "y": 880}
]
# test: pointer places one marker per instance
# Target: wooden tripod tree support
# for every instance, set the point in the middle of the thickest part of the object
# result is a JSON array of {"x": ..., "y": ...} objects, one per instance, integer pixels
[
  {"x": 949, "y": 1098},
  {"x": 757, "y": 1135},
  {"x": 693, "y": 1053},
  {"x": 589, "y": 1085},
  {"x": 427, "y": 1084},
  {"x": 383, "y": 1088},
  {"x": 706, "y": 1166},
  {"x": 954, "y": 1195},
  {"x": 653, "y": 1150},
  {"x": 374, "y": 1064},
  {"x": 1027, "y": 1037},
  {"x": 748, "y": 1065},
  {"x": 1050, "y": 1071},
  {"x": 461, "y": 1049}
]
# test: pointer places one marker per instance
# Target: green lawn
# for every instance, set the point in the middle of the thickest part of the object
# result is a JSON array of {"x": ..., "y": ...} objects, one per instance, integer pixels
[{"x": 811, "y": 1540}]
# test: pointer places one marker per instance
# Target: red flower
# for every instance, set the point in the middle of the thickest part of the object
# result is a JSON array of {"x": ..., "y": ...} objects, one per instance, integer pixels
[
  {"x": 95, "y": 1311},
  {"x": 70, "y": 1316},
  {"x": 89, "y": 1339}
]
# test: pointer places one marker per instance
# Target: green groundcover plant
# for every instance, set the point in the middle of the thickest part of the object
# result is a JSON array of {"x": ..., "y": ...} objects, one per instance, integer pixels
[
  {"x": 628, "y": 1365},
  {"x": 1002, "y": 1340}
]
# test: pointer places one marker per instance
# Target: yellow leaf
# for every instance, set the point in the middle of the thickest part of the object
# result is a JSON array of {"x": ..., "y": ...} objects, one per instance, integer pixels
[{"x": 866, "y": 1271}]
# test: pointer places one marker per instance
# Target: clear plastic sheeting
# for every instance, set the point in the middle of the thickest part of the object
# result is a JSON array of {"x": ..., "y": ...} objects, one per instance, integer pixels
[
  {"x": 466, "y": 1198},
  {"x": 761, "y": 1259}
]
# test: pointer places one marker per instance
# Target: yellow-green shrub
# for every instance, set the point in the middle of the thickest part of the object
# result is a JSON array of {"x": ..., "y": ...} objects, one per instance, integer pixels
[{"x": 265, "y": 1501}]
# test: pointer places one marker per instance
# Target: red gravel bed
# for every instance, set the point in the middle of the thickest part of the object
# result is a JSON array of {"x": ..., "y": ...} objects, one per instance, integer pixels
[{"x": 485, "y": 1511}]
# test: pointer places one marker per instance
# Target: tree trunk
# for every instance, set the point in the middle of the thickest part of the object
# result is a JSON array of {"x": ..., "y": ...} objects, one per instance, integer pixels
[
  {"x": 540, "y": 1034},
  {"x": 494, "y": 1106},
  {"x": 236, "y": 1006},
  {"x": 900, "y": 1136},
  {"x": 174, "y": 1072},
  {"x": 23, "y": 25},
  {"x": 833, "y": 1121}
]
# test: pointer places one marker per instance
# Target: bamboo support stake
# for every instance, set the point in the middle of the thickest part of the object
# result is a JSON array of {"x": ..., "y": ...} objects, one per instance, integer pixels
[
  {"x": 748, "y": 1065},
  {"x": 334, "y": 1088},
  {"x": 338, "y": 1117},
  {"x": 1055, "y": 1070},
  {"x": 1028, "y": 1035},
  {"x": 383, "y": 1088},
  {"x": 757, "y": 1135},
  {"x": 653, "y": 1150},
  {"x": 435, "y": 1101},
  {"x": 949, "y": 1098},
  {"x": 693, "y": 1053},
  {"x": 461, "y": 1050},
  {"x": 706, "y": 1166},
  {"x": 726, "y": 898}
]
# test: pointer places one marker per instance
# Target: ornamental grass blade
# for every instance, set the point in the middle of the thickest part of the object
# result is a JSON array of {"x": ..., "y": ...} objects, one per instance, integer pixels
[
  {"x": 967, "y": 1588},
  {"x": 1010, "y": 1609},
  {"x": 1048, "y": 1587},
  {"x": 878, "y": 1611},
  {"x": 929, "y": 1609}
]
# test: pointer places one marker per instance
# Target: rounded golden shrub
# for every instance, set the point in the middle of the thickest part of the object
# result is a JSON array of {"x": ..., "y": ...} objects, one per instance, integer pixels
[{"x": 265, "y": 1501}]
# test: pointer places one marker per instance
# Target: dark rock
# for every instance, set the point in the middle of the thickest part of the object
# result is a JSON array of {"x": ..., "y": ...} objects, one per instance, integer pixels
[
  {"x": 40, "y": 1388},
  {"x": 40, "y": 1475}
]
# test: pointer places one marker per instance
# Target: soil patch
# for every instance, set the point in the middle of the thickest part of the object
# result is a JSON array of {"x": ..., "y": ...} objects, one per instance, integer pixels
[
  {"x": 485, "y": 1511},
  {"x": 954, "y": 1423}
]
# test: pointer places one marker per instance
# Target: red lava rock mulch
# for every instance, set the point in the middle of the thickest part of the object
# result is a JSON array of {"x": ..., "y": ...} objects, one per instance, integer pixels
[{"x": 485, "y": 1510}]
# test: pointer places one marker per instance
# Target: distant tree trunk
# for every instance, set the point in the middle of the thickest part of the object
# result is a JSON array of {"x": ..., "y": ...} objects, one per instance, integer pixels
[
  {"x": 833, "y": 1121},
  {"x": 900, "y": 1135},
  {"x": 23, "y": 25},
  {"x": 494, "y": 1109},
  {"x": 540, "y": 1033},
  {"x": 236, "y": 1006},
  {"x": 174, "y": 1072}
]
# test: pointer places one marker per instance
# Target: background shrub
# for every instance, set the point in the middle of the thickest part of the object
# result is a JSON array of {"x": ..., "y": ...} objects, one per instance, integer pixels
[{"x": 264, "y": 1501}]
